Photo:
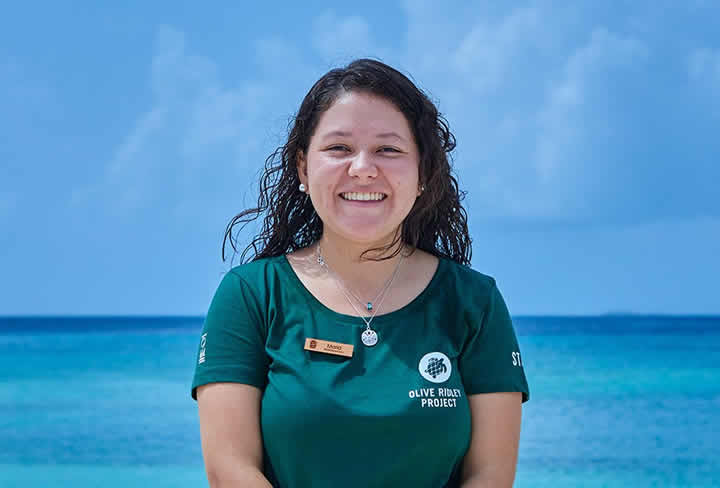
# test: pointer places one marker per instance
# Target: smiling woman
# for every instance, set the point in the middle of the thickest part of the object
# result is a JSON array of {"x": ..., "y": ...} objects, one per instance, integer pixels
[
  {"x": 362, "y": 179},
  {"x": 357, "y": 336},
  {"x": 437, "y": 222}
]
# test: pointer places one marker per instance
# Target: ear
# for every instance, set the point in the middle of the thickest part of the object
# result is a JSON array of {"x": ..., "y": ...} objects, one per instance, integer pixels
[{"x": 301, "y": 164}]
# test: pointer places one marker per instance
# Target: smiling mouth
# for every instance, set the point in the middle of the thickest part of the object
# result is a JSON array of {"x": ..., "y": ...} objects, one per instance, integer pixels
[{"x": 363, "y": 197}]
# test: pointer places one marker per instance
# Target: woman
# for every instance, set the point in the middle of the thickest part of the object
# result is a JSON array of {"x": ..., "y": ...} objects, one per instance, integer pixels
[{"x": 357, "y": 348}]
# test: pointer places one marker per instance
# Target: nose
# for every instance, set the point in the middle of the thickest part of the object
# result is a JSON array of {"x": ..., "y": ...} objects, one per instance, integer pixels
[{"x": 362, "y": 166}]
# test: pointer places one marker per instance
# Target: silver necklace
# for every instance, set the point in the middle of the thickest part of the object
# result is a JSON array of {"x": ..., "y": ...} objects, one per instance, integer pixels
[{"x": 369, "y": 336}]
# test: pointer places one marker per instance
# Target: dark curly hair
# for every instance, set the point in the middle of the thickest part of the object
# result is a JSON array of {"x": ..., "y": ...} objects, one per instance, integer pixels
[{"x": 437, "y": 223}]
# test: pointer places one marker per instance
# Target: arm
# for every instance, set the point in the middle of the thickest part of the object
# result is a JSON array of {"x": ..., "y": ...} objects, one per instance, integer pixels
[
  {"x": 230, "y": 435},
  {"x": 492, "y": 457}
]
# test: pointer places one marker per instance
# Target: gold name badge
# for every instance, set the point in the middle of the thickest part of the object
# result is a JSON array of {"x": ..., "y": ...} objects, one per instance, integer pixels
[{"x": 329, "y": 347}]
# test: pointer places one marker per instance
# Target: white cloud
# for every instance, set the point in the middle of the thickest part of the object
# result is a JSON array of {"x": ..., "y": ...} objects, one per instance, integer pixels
[
  {"x": 487, "y": 50},
  {"x": 221, "y": 116},
  {"x": 338, "y": 39},
  {"x": 195, "y": 122},
  {"x": 563, "y": 119},
  {"x": 147, "y": 125},
  {"x": 176, "y": 73},
  {"x": 525, "y": 101},
  {"x": 526, "y": 95},
  {"x": 571, "y": 118},
  {"x": 281, "y": 59}
]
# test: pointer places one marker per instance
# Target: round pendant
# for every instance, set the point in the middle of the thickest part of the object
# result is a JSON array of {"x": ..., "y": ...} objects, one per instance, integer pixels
[{"x": 369, "y": 337}]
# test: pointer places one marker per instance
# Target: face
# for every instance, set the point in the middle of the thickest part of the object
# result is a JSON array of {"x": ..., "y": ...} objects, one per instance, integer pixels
[{"x": 361, "y": 168}]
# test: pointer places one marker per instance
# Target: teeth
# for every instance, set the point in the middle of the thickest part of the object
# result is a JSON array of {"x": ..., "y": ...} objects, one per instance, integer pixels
[{"x": 362, "y": 196}]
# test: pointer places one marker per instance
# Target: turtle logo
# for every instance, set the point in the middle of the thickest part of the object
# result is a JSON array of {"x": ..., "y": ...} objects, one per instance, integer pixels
[{"x": 435, "y": 367}]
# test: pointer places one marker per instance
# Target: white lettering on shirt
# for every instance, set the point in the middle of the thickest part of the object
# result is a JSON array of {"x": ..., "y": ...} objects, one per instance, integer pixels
[
  {"x": 203, "y": 341},
  {"x": 436, "y": 397},
  {"x": 516, "y": 359}
]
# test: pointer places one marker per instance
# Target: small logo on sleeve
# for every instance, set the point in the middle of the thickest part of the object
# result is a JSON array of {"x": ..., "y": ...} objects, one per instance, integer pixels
[
  {"x": 516, "y": 359},
  {"x": 435, "y": 367},
  {"x": 203, "y": 341}
]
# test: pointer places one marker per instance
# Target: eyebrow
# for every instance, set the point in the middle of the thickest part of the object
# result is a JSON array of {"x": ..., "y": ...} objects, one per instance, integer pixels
[{"x": 384, "y": 135}]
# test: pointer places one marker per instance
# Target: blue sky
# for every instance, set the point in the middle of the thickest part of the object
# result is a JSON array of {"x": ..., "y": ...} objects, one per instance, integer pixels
[{"x": 587, "y": 142}]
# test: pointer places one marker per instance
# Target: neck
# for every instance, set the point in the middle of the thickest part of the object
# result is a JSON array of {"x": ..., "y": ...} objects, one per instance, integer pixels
[{"x": 365, "y": 277}]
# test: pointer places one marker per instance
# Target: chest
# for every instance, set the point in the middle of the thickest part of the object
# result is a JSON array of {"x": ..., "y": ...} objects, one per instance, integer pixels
[{"x": 403, "y": 395}]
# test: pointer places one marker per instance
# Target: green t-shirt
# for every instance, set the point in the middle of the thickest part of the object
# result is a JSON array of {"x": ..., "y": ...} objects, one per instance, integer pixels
[{"x": 394, "y": 414}]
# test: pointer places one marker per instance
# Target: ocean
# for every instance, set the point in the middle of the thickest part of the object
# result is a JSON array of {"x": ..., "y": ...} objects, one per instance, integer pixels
[{"x": 615, "y": 401}]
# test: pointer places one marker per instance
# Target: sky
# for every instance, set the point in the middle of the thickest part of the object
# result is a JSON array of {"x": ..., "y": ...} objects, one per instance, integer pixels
[{"x": 131, "y": 133}]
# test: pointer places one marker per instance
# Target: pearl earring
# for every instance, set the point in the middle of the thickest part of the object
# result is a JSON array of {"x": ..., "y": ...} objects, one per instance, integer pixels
[{"x": 302, "y": 187}]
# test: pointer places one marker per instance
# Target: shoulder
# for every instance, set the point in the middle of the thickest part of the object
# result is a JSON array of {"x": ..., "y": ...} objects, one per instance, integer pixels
[
  {"x": 256, "y": 268},
  {"x": 467, "y": 281},
  {"x": 246, "y": 288},
  {"x": 477, "y": 297},
  {"x": 253, "y": 276}
]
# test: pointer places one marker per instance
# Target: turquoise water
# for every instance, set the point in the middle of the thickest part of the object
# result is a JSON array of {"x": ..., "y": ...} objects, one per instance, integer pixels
[{"x": 615, "y": 402}]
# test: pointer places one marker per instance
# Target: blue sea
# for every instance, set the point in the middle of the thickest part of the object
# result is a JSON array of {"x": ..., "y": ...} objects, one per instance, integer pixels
[{"x": 616, "y": 401}]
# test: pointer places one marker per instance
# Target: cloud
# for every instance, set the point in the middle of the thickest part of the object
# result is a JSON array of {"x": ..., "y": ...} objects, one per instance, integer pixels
[
  {"x": 198, "y": 129},
  {"x": 149, "y": 123},
  {"x": 525, "y": 100},
  {"x": 197, "y": 122},
  {"x": 545, "y": 103},
  {"x": 487, "y": 51},
  {"x": 338, "y": 39},
  {"x": 175, "y": 72},
  {"x": 281, "y": 60},
  {"x": 570, "y": 118}
]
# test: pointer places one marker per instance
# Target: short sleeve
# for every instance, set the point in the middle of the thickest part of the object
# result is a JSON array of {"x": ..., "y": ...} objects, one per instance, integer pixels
[
  {"x": 232, "y": 340},
  {"x": 490, "y": 360}
]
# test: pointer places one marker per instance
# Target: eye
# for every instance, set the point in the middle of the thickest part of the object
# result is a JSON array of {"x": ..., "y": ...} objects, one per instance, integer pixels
[
  {"x": 392, "y": 149},
  {"x": 337, "y": 148}
]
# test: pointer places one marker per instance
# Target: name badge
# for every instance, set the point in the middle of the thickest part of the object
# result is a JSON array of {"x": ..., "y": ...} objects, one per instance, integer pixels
[{"x": 329, "y": 347}]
